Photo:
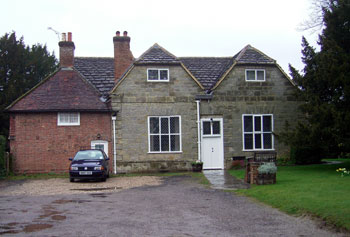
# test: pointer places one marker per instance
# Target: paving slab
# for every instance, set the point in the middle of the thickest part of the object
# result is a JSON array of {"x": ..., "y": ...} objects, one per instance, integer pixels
[{"x": 221, "y": 179}]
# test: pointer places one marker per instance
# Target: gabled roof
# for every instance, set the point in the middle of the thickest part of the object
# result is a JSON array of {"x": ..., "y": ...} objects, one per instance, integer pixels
[
  {"x": 98, "y": 71},
  {"x": 157, "y": 54},
  {"x": 251, "y": 55},
  {"x": 65, "y": 90},
  {"x": 207, "y": 69}
]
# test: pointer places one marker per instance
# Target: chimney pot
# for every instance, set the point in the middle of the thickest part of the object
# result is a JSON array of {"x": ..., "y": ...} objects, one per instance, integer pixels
[
  {"x": 117, "y": 33},
  {"x": 125, "y": 33},
  {"x": 70, "y": 36},
  {"x": 63, "y": 36}
]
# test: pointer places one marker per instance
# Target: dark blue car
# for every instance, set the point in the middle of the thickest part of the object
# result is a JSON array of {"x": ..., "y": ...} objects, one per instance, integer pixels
[{"x": 89, "y": 164}]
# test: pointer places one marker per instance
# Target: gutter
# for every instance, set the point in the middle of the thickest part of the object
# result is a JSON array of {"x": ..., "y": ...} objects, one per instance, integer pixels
[{"x": 199, "y": 129}]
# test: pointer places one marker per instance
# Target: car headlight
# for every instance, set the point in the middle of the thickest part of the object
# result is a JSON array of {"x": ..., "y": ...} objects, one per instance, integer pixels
[
  {"x": 98, "y": 168},
  {"x": 73, "y": 168}
]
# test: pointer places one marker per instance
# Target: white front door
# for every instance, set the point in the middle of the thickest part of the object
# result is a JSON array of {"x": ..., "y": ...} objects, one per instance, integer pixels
[
  {"x": 212, "y": 143},
  {"x": 100, "y": 144}
]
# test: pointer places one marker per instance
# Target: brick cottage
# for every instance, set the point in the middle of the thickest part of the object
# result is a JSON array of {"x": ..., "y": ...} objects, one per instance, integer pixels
[{"x": 156, "y": 112}]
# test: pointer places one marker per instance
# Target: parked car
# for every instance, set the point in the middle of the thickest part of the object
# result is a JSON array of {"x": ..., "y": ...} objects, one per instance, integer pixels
[{"x": 89, "y": 164}]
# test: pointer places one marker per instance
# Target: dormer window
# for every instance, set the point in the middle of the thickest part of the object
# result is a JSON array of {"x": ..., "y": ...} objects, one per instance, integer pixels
[
  {"x": 157, "y": 74},
  {"x": 255, "y": 75}
]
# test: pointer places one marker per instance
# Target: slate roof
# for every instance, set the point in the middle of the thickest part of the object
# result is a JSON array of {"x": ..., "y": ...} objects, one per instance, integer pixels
[
  {"x": 157, "y": 54},
  {"x": 98, "y": 71},
  {"x": 251, "y": 55},
  {"x": 65, "y": 90},
  {"x": 207, "y": 70}
]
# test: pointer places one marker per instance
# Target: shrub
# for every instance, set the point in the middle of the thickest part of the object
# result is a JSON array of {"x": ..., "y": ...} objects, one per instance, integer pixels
[{"x": 267, "y": 168}]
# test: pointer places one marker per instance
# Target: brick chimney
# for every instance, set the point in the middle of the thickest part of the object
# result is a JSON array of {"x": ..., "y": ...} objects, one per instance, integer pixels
[
  {"x": 122, "y": 54},
  {"x": 66, "y": 51}
]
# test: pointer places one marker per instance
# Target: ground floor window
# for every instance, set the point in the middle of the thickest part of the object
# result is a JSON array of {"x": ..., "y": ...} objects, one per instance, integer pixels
[
  {"x": 164, "y": 134},
  {"x": 257, "y": 132}
]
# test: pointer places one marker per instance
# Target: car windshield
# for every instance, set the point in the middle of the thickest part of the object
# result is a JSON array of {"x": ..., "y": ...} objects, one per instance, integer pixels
[{"x": 89, "y": 155}]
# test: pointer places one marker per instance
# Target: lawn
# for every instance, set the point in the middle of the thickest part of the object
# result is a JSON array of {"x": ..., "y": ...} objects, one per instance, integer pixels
[{"x": 316, "y": 190}]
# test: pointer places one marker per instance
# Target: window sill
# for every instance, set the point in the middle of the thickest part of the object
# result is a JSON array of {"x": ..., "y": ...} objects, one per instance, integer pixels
[
  {"x": 164, "y": 152},
  {"x": 260, "y": 150}
]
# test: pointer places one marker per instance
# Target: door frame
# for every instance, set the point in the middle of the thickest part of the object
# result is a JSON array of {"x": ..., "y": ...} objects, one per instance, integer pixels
[{"x": 211, "y": 119}]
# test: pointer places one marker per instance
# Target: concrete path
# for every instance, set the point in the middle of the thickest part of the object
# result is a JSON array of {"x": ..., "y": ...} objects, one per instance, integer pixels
[{"x": 221, "y": 179}]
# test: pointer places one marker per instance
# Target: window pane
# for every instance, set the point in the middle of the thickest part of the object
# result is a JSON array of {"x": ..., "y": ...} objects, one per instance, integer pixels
[
  {"x": 99, "y": 146},
  {"x": 258, "y": 141},
  {"x": 267, "y": 141},
  {"x": 248, "y": 123},
  {"x": 174, "y": 125},
  {"x": 267, "y": 123},
  {"x": 152, "y": 74},
  {"x": 175, "y": 142},
  {"x": 165, "y": 143},
  {"x": 260, "y": 75},
  {"x": 163, "y": 74},
  {"x": 257, "y": 123},
  {"x": 74, "y": 117},
  {"x": 216, "y": 127},
  {"x": 206, "y": 128},
  {"x": 154, "y": 140},
  {"x": 154, "y": 125},
  {"x": 250, "y": 75},
  {"x": 248, "y": 141},
  {"x": 164, "y": 125}
]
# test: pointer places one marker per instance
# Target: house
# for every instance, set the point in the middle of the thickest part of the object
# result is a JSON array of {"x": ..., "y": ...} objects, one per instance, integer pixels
[{"x": 156, "y": 112}]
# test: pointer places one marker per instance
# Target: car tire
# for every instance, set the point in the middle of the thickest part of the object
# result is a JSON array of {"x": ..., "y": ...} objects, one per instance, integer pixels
[
  {"x": 71, "y": 180},
  {"x": 104, "y": 179}
]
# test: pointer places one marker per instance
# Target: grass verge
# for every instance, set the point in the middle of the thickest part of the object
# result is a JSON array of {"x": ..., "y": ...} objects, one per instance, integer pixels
[{"x": 316, "y": 190}]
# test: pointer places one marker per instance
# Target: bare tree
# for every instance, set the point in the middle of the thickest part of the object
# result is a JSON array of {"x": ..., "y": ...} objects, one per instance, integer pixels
[{"x": 315, "y": 22}]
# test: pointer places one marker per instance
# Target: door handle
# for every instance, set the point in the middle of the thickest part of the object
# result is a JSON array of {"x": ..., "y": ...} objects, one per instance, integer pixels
[{"x": 212, "y": 149}]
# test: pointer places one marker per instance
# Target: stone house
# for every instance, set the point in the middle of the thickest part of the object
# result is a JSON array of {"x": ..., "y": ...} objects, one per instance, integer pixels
[{"x": 156, "y": 112}]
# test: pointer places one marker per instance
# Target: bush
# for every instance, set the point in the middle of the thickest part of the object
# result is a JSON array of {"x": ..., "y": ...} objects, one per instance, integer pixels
[
  {"x": 303, "y": 155},
  {"x": 267, "y": 168}
]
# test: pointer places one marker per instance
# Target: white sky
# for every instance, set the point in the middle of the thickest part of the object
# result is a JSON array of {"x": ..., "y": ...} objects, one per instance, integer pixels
[{"x": 183, "y": 27}]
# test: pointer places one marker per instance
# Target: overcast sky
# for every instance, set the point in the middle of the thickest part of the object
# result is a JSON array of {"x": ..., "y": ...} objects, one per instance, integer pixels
[{"x": 183, "y": 27}]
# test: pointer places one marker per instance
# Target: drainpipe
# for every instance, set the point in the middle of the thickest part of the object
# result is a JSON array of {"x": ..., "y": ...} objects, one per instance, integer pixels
[
  {"x": 199, "y": 130},
  {"x": 114, "y": 118}
]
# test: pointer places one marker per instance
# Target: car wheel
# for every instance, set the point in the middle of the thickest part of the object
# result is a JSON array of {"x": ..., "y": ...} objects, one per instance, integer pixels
[
  {"x": 104, "y": 179},
  {"x": 71, "y": 180},
  {"x": 108, "y": 175}
]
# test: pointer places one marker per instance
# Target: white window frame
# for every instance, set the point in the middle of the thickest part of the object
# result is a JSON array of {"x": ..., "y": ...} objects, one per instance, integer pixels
[
  {"x": 253, "y": 132},
  {"x": 256, "y": 75},
  {"x": 158, "y": 80},
  {"x": 160, "y": 134},
  {"x": 211, "y": 120},
  {"x": 60, "y": 123}
]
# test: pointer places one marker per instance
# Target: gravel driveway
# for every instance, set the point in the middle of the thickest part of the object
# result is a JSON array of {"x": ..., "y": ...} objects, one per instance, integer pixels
[{"x": 169, "y": 206}]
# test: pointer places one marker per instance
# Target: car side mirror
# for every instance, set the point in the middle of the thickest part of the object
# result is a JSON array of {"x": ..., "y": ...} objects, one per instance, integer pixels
[
  {"x": 107, "y": 158},
  {"x": 70, "y": 159}
]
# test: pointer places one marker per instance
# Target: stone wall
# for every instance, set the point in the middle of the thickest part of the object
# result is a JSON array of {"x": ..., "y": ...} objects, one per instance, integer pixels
[{"x": 136, "y": 99}]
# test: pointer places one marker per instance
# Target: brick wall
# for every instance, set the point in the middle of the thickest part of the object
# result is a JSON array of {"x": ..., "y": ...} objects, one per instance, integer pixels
[{"x": 40, "y": 146}]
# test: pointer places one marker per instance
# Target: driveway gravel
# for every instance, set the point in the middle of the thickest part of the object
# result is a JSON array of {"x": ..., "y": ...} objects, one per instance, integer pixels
[{"x": 168, "y": 206}]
